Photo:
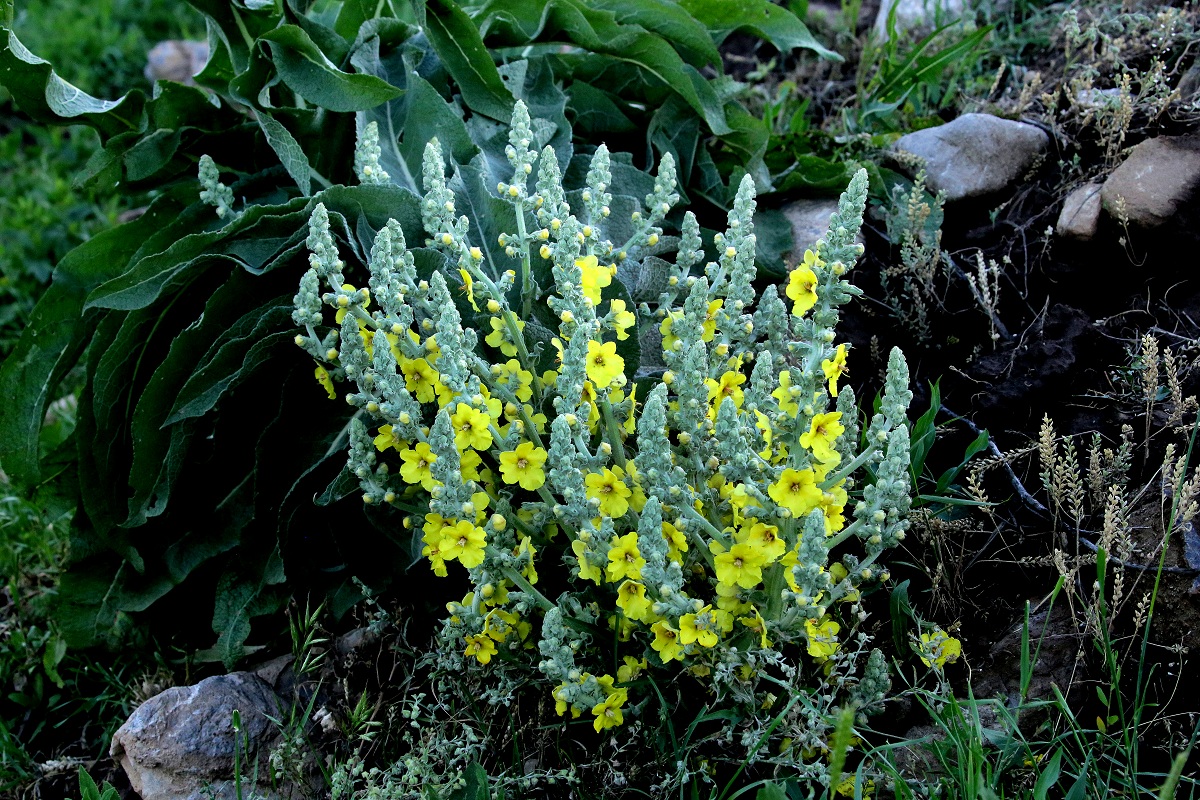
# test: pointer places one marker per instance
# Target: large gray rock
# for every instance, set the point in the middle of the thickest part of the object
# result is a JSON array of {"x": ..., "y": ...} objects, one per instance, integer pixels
[
  {"x": 976, "y": 154},
  {"x": 179, "y": 745},
  {"x": 178, "y": 60},
  {"x": 912, "y": 14},
  {"x": 810, "y": 221},
  {"x": 1080, "y": 213},
  {"x": 1158, "y": 177}
]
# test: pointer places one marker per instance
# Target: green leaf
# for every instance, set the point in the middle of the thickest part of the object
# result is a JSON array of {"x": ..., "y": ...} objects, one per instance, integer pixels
[
  {"x": 902, "y": 614},
  {"x": 458, "y": 45},
  {"x": 159, "y": 450},
  {"x": 670, "y": 21},
  {"x": 476, "y": 786},
  {"x": 1049, "y": 776},
  {"x": 243, "y": 594},
  {"x": 977, "y": 445},
  {"x": 763, "y": 18},
  {"x": 924, "y": 432},
  {"x": 290, "y": 153},
  {"x": 56, "y": 335},
  {"x": 41, "y": 94},
  {"x": 813, "y": 173},
  {"x": 147, "y": 278},
  {"x": 307, "y": 71},
  {"x": 516, "y": 22},
  {"x": 232, "y": 357},
  {"x": 771, "y": 791},
  {"x": 775, "y": 242}
]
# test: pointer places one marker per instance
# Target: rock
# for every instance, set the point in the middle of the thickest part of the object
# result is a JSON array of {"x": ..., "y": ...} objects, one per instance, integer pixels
[
  {"x": 976, "y": 154},
  {"x": 810, "y": 221},
  {"x": 178, "y": 60},
  {"x": 912, "y": 14},
  {"x": 1155, "y": 180},
  {"x": 179, "y": 745},
  {"x": 1080, "y": 213},
  {"x": 1056, "y": 642}
]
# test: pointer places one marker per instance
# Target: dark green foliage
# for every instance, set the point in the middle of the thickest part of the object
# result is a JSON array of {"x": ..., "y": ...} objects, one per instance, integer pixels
[
  {"x": 42, "y": 215},
  {"x": 209, "y": 461}
]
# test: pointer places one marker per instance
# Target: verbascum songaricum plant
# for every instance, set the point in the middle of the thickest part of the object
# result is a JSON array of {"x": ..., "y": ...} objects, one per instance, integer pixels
[{"x": 702, "y": 509}]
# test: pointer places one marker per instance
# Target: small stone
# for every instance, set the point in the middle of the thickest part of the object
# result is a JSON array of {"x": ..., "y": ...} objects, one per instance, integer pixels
[
  {"x": 179, "y": 744},
  {"x": 1157, "y": 177},
  {"x": 912, "y": 14},
  {"x": 976, "y": 154},
  {"x": 1080, "y": 213},
  {"x": 178, "y": 60},
  {"x": 810, "y": 221}
]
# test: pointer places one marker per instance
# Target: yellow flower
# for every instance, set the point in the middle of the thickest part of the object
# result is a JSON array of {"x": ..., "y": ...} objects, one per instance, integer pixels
[
  {"x": 835, "y": 369},
  {"x": 796, "y": 490},
  {"x": 822, "y": 638},
  {"x": 469, "y": 463},
  {"x": 765, "y": 539},
  {"x": 666, "y": 642},
  {"x": 669, "y": 339},
  {"x": 729, "y": 386},
  {"x": 593, "y": 277},
  {"x": 740, "y": 566},
  {"x": 608, "y": 713},
  {"x": 631, "y": 599},
  {"x": 469, "y": 287},
  {"x": 624, "y": 558},
  {"x": 524, "y": 466},
  {"x": 603, "y": 363},
  {"x": 709, "y": 326},
  {"x": 623, "y": 320},
  {"x": 481, "y": 646},
  {"x": 612, "y": 493},
  {"x": 631, "y": 669},
  {"x": 697, "y": 628},
  {"x": 676, "y": 542},
  {"x": 587, "y": 570},
  {"x": 499, "y": 623},
  {"x": 387, "y": 438},
  {"x": 415, "y": 468},
  {"x": 421, "y": 379},
  {"x": 832, "y": 505},
  {"x": 764, "y": 425},
  {"x": 757, "y": 624},
  {"x": 499, "y": 337},
  {"x": 511, "y": 373},
  {"x": 787, "y": 404},
  {"x": 471, "y": 428},
  {"x": 941, "y": 647},
  {"x": 530, "y": 570},
  {"x": 802, "y": 284},
  {"x": 822, "y": 434},
  {"x": 465, "y": 542},
  {"x": 322, "y": 376},
  {"x": 434, "y": 524},
  {"x": 847, "y": 787}
]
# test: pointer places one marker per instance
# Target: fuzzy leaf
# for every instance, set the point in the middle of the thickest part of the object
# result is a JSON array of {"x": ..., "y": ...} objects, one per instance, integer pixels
[
  {"x": 308, "y": 72},
  {"x": 763, "y": 18},
  {"x": 458, "y": 45},
  {"x": 57, "y": 334}
]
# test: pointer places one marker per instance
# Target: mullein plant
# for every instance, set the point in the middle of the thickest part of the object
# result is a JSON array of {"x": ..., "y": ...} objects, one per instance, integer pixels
[{"x": 715, "y": 523}]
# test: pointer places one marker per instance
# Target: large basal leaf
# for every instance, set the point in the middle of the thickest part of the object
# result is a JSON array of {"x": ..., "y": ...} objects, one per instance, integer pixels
[
  {"x": 516, "y": 22},
  {"x": 670, "y": 21},
  {"x": 763, "y": 18},
  {"x": 457, "y": 42},
  {"x": 233, "y": 357},
  {"x": 57, "y": 333},
  {"x": 308, "y": 72},
  {"x": 46, "y": 97}
]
